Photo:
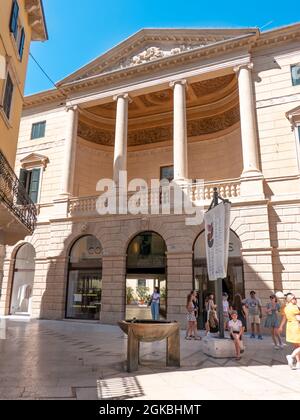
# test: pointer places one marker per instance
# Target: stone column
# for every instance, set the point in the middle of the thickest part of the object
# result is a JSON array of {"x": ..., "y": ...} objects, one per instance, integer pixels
[
  {"x": 70, "y": 151},
  {"x": 248, "y": 121},
  {"x": 120, "y": 154},
  {"x": 180, "y": 131}
]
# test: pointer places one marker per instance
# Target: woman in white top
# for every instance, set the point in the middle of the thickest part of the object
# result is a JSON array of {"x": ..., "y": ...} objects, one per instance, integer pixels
[
  {"x": 155, "y": 299},
  {"x": 236, "y": 330}
]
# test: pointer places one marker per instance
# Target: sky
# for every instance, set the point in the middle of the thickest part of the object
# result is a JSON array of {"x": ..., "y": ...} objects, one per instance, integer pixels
[{"x": 81, "y": 30}]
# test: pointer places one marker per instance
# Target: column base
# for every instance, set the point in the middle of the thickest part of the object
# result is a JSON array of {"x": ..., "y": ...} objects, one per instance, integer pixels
[
  {"x": 61, "y": 206},
  {"x": 252, "y": 186}
]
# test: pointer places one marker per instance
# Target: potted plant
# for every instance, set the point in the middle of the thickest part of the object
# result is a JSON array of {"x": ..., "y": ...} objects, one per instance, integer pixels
[
  {"x": 129, "y": 295},
  {"x": 142, "y": 292}
]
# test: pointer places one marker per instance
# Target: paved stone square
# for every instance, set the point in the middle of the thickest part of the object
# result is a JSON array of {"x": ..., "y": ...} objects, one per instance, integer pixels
[{"x": 74, "y": 361}]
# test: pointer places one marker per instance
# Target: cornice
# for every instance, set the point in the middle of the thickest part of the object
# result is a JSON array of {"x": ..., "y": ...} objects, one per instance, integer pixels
[
  {"x": 151, "y": 37},
  {"x": 252, "y": 39},
  {"x": 277, "y": 36},
  {"x": 36, "y": 19},
  {"x": 162, "y": 63},
  {"x": 151, "y": 69}
]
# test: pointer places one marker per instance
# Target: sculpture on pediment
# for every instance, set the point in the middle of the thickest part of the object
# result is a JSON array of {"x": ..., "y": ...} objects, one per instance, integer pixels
[{"x": 150, "y": 54}]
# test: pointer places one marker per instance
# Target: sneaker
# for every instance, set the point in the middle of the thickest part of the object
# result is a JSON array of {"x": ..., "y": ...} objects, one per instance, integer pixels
[
  {"x": 290, "y": 361},
  {"x": 252, "y": 336},
  {"x": 276, "y": 347},
  {"x": 260, "y": 337}
]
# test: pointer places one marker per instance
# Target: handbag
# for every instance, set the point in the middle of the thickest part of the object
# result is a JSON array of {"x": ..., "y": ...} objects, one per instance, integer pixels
[{"x": 150, "y": 301}]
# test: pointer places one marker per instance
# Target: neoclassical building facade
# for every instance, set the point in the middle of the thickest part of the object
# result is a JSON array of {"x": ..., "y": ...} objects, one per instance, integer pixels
[{"x": 219, "y": 105}]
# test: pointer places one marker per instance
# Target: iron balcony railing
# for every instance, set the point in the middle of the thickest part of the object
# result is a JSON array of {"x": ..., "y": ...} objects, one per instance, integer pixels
[{"x": 14, "y": 196}]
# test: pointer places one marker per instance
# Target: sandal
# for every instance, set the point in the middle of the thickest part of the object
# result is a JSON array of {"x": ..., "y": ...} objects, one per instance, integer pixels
[
  {"x": 188, "y": 338},
  {"x": 238, "y": 358}
]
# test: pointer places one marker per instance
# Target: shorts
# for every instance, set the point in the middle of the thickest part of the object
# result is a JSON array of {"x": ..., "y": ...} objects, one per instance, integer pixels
[
  {"x": 254, "y": 319},
  {"x": 233, "y": 334}
]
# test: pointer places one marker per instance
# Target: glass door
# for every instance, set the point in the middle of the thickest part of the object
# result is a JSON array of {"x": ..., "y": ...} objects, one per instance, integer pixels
[
  {"x": 139, "y": 288},
  {"x": 84, "y": 294}
]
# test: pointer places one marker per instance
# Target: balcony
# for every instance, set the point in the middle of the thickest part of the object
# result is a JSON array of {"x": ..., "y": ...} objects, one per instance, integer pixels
[
  {"x": 18, "y": 213},
  {"x": 203, "y": 193}
]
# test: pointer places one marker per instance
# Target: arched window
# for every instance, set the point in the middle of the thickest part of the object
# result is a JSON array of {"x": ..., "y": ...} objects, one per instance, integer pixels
[
  {"x": 85, "y": 279},
  {"x": 23, "y": 278},
  {"x": 146, "y": 269}
]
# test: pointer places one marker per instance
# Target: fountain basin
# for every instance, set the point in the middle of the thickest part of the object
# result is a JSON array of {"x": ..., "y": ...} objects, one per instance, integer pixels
[{"x": 148, "y": 331}]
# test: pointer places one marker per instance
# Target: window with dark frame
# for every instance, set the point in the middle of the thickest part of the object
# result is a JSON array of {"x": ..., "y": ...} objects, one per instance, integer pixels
[
  {"x": 30, "y": 180},
  {"x": 167, "y": 172},
  {"x": 8, "y": 95},
  {"x": 38, "y": 130},
  {"x": 295, "y": 74},
  {"x": 22, "y": 43},
  {"x": 16, "y": 29},
  {"x": 14, "y": 19}
]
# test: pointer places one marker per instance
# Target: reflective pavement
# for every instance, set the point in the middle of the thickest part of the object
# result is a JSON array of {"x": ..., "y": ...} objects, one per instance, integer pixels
[{"x": 76, "y": 360}]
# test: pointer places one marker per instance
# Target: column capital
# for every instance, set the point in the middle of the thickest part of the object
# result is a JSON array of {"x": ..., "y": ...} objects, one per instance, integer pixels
[
  {"x": 248, "y": 66},
  {"x": 124, "y": 96},
  {"x": 71, "y": 108},
  {"x": 182, "y": 82}
]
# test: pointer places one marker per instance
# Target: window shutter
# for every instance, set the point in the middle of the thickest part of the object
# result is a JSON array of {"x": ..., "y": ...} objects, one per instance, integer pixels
[
  {"x": 9, "y": 88},
  {"x": 38, "y": 130},
  {"x": 22, "y": 43},
  {"x": 14, "y": 19},
  {"x": 295, "y": 71},
  {"x": 34, "y": 185},
  {"x": 23, "y": 182}
]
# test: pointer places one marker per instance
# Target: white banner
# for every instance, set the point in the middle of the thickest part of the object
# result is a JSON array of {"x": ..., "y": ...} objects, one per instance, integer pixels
[{"x": 217, "y": 230}]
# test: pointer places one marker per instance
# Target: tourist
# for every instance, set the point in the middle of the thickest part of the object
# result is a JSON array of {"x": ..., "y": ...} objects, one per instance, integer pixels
[
  {"x": 191, "y": 317},
  {"x": 291, "y": 318},
  {"x": 254, "y": 307},
  {"x": 272, "y": 308},
  {"x": 155, "y": 300},
  {"x": 236, "y": 330},
  {"x": 239, "y": 306},
  {"x": 281, "y": 298},
  {"x": 225, "y": 310}
]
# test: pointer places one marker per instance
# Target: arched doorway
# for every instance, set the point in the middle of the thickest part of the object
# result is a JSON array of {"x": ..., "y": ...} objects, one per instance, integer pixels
[
  {"x": 84, "y": 279},
  {"x": 23, "y": 277},
  {"x": 146, "y": 269},
  {"x": 234, "y": 282}
]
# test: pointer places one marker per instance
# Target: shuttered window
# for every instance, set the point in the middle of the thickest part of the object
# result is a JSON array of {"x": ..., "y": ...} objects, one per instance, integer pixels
[
  {"x": 295, "y": 73},
  {"x": 22, "y": 43},
  {"x": 8, "y": 95},
  {"x": 14, "y": 19},
  {"x": 38, "y": 130},
  {"x": 31, "y": 182}
]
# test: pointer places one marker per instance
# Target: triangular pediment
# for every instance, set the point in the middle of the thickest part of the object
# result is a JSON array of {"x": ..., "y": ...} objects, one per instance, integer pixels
[
  {"x": 149, "y": 45},
  {"x": 34, "y": 159}
]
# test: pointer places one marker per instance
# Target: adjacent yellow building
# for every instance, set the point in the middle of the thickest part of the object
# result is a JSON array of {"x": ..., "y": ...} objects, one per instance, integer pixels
[{"x": 21, "y": 21}]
